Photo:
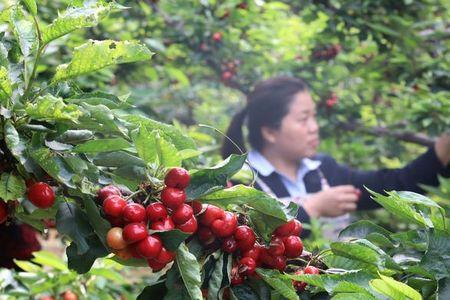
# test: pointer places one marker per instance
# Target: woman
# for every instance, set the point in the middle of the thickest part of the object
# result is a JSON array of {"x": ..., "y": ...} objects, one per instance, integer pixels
[{"x": 284, "y": 135}]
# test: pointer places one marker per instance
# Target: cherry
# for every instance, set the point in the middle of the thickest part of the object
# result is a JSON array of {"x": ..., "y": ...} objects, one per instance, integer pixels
[
  {"x": 245, "y": 237},
  {"x": 229, "y": 245},
  {"x": 190, "y": 226},
  {"x": 134, "y": 213},
  {"x": 226, "y": 226},
  {"x": 165, "y": 256},
  {"x": 134, "y": 232},
  {"x": 114, "y": 238},
  {"x": 154, "y": 265},
  {"x": 196, "y": 206},
  {"x": 113, "y": 206},
  {"x": 69, "y": 295},
  {"x": 3, "y": 212},
  {"x": 276, "y": 247},
  {"x": 236, "y": 277},
  {"x": 107, "y": 191},
  {"x": 311, "y": 270},
  {"x": 125, "y": 253},
  {"x": 41, "y": 195},
  {"x": 205, "y": 235},
  {"x": 299, "y": 285},
  {"x": 156, "y": 212},
  {"x": 226, "y": 75},
  {"x": 182, "y": 214},
  {"x": 247, "y": 266},
  {"x": 287, "y": 229},
  {"x": 298, "y": 228},
  {"x": 293, "y": 246},
  {"x": 279, "y": 262},
  {"x": 177, "y": 178},
  {"x": 217, "y": 36},
  {"x": 211, "y": 214},
  {"x": 164, "y": 225},
  {"x": 149, "y": 247},
  {"x": 172, "y": 197},
  {"x": 116, "y": 221},
  {"x": 253, "y": 253}
]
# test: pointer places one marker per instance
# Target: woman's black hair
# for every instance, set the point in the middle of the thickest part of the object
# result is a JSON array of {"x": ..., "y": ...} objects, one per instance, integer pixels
[{"x": 267, "y": 105}]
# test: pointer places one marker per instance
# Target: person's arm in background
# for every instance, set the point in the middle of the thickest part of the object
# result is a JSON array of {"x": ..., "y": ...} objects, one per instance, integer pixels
[{"x": 423, "y": 170}]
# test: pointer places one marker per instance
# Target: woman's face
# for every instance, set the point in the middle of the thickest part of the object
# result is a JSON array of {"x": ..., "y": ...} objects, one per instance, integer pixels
[{"x": 298, "y": 135}]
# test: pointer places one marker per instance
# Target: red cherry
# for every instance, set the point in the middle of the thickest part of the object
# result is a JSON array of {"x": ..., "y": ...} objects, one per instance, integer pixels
[
  {"x": 3, "y": 212},
  {"x": 276, "y": 247},
  {"x": 226, "y": 226},
  {"x": 196, "y": 206},
  {"x": 286, "y": 229},
  {"x": 134, "y": 213},
  {"x": 155, "y": 266},
  {"x": 279, "y": 262},
  {"x": 134, "y": 232},
  {"x": 299, "y": 285},
  {"x": 236, "y": 277},
  {"x": 107, "y": 191},
  {"x": 41, "y": 195},
  {"x": 165, "y": 256},
  {"x": 298, "y": 228},
  {"x": 229, "y": 245},
  {"x": 177, "y": 178},
  {"x": 217, "y": 36},
  {"x": 172, "y": 197},
  {"x": 245, "y": 237},
  {"x": 226, "y": 75},
  {"x": 164, "y": 225},
  {"x": 311, "y": 270},
  {"x": 113, "y": 206},
  {"x": 116, "y": 221},
  {"x": 182, "y": 214},
  {"x": 205, "y": 235},
  {"x": 190, "y": 226},
  {"x": 253, "y": 253},
  {"x": 293, "y": 246},
  {"x": 211, "y": 214},
  {"x": 149, "y": 247},
  {"x": 247, "y": 266},
  {"x": 156, "y": 212}
]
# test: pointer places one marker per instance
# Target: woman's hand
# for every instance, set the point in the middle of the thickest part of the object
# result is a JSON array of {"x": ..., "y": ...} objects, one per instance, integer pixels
[
  {"x": 442, "y": 148},
  {"x": 332, "y": 202}
]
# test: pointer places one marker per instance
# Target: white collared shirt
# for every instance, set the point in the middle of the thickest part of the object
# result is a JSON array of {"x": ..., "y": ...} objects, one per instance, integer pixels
[{"x": 265, "y": 168}]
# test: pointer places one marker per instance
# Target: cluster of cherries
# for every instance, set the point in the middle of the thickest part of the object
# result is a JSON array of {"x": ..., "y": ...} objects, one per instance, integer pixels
[
  {"x": 130, "y": 236},
  {"x": 328, "y": 53}
]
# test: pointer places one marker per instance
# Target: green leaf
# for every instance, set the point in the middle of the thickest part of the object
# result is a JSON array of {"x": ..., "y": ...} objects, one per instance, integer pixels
[
  {"x": 49, "y": 259},
  {"x": 99, "y": 224},
  {"x": 278, "y": 282},
  {"x": 75, "y": 18},
  {"x": 102, "y": 145},
  {"x": 145, "y": 144},
  {"x": 11, "y": 187},
  {"x": 31, "y": 6},
  {"x": 394, "y": 289},
  {"x": 108, "y": 274},
  {"x": 117, "y": 159},
  {"x": 243, "y": 195},
  {"x": 53, "y": 164},
  {"x": 83, "y": 262},
  {"x": 437, "y": 258},
  {"x": 28, "y": 266},
  {"x": 50, "y": 108},
  {"x": 264, "y": 224},
  {"x": 5, "y": 85},
  {"x": 190, "y": 272},
  {"x": 352, "y": 291},
  {"x": 206, "y": 181},
  {"x": 173, "y": 238},
  {"x": 215, "y": 280},
  {"x": 154, "y": 292},
  {"x": 168, "y": 132},
  {"x": 244, "y": 292},
  {"x": 361, "y": 229},
  {"x": 75, "y": 136},
  {"x": 73, "y": 222},
  {"x": 23, "y": 30},
  {"x": 95, "y": 55},
  {"x": 99, "y": 98},
  {"x": 167, "y": 153}
]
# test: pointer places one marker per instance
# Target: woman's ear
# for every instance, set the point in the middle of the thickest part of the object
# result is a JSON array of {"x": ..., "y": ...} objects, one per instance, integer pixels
[{"x": 268, "y": 134}]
